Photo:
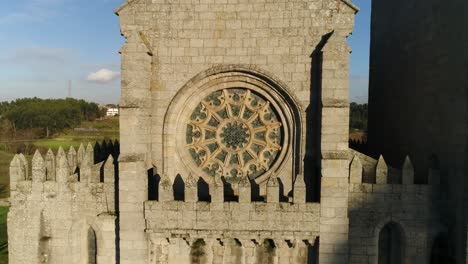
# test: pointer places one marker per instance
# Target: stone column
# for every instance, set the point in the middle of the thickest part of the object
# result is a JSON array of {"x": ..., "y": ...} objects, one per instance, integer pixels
[
  {"x": 248, "y": 246},
  {"x": 217, "y": 248},
  {"x": 284, "y": 252},
  {"x": 158, "y": 251},
  {"x": 272, "y": 190},
  {"x": 106, "y": 239},
  {"x": 135, "y": 142},
  {"x": 334, "y": 151},
  {"x": 300, "y": 254},
  {"x": 132, "y": 194}
]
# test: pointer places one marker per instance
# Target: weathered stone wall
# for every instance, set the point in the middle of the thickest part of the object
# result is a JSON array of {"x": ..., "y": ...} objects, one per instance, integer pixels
[
  {"x": 232, "y": 232},
  {"x": 418, "y": 98},
  {"x": 294, "y": 53},
  {"x": 168, "y": 44},
  {"x": 413, "y": 209},
  {"x": 59, "y": 216}
]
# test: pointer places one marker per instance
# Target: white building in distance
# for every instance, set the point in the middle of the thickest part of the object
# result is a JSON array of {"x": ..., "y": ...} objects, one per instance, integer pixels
[{"x": 112, "y": 112}]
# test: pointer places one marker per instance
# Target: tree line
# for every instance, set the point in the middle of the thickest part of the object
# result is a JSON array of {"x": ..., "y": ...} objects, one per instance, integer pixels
[
  {"x": 358, "y": 116},
  {"x": 44, "y": 117}
]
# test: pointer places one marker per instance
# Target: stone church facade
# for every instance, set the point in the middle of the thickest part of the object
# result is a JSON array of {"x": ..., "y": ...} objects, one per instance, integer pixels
[{"x": 234, "y": 149}]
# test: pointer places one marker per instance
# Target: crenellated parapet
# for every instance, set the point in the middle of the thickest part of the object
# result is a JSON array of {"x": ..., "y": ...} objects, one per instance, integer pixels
[
  {"x": 380, "y": 195},
  {"x": 61, "y": 199},
  {"x": 74, "y": 170},
  {"x": 243, "y": 218}
]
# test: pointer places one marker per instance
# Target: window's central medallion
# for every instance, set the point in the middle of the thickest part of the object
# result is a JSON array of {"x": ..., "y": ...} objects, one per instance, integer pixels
[{"x": 234, "y": 133}]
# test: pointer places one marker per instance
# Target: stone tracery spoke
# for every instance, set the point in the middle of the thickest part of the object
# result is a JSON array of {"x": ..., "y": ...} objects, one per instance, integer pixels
[
  {"x": 207, "y": 127},
  {"x": 229, "y": 110},
  {"x": 258, "y": 142},
  {"x": 259, "y": 129},
  {"x": 252, "y": 118},
  {"x": 228, "y": 157},
  {"x": 251, "y": 153},
  {"x": 242, "y": 110}
]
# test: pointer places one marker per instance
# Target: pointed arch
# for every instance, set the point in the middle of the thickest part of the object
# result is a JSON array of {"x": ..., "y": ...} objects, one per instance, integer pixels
[
  {"x": 83, "y": 242},
  {"x": 391, "y": 244},
  {"x": 266, "y": 252},
  {"x": 441, "y": 252}
]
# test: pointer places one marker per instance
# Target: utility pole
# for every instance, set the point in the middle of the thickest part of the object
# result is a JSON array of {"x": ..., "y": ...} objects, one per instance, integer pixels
[{"x": 69, "y": 88}]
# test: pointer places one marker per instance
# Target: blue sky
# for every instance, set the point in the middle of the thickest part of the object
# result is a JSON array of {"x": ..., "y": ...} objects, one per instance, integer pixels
[
  {"x": 46, "y": 43},
  {"x": 360, "y": 44}
]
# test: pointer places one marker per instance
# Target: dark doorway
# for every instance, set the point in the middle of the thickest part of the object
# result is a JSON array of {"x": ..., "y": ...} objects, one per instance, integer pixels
[
  {"x": 440, "y": 253},
  {"x": 390, "y": 244}
]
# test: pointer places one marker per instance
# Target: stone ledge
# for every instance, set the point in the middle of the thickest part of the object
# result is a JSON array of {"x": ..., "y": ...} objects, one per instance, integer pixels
[
  {"x": 236, "y": 217},
  {"x": 335, "y": 155},
  {"x": 335, "y": 103},
  {"x": 131, "y": 157}
]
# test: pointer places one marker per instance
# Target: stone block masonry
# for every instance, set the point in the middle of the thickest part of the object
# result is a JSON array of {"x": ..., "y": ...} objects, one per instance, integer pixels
[
  {"x": 178, "y": 57},
  {"x": 411, "y": 209},
  {"x": 240, "y": 109},
  {"x": 64, "y": 211},
  {"x": 234, "y": 150},
  {"x": 230, "y": 232}
]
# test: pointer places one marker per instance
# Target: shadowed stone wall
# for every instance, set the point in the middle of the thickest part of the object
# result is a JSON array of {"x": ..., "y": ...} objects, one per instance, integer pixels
[{"x": 418, "y": 97}]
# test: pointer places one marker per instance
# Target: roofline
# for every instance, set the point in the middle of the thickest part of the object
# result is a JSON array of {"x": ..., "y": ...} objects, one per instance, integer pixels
[
  {"x": 128, "y": 2},
  {"x": 123, "y": 6},
  {"x": 351, "y": 4}
]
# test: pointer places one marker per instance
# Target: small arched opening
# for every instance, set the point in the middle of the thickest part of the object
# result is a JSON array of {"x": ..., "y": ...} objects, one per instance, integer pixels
[
  {"x": 440, "y": 252},
  {"x": 391, "y": 244},
  {"x": 91, "y": 244},
  {"x": 266, "y": 253},
  {"x": 198, "y": 252}
]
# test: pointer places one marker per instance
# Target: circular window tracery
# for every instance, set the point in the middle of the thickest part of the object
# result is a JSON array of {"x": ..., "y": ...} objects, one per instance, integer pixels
[{"x": 234, "y": 133}]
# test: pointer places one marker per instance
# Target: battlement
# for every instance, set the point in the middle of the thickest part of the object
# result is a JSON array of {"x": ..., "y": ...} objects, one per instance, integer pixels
[
  {"x": 65, "y": 201},
  {"x": 257, "y": 220},
  {"x": 218, "y": 188},
  {"x": 390, "y": 185},
  {"x": 75, "y": 170},
  {"x": 379, "y": 195},
  {"x": 366, "y": 170}
]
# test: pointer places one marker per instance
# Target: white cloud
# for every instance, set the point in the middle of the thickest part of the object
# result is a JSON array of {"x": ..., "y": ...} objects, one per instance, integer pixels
[{"x": 103, "y": 76}]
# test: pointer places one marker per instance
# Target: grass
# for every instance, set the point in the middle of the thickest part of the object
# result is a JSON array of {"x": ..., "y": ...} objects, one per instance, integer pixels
[
  {"x": 107, "y": 129},
  {"x": 56, "y": 144},
  {"x": 5, "y": 158},
  {"x": 106, "y": 125},
  {"x": 3, "y": 235}
]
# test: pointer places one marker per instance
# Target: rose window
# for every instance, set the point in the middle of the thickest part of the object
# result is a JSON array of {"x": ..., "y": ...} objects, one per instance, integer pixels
[{"x": 234, "y": 133}]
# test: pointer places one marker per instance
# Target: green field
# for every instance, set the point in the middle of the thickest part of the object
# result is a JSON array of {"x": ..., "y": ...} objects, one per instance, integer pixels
[
  {"x": 107, "y": 129},
  {"x": 5, "y": 158},
  {"x": 3, "y": 235}
]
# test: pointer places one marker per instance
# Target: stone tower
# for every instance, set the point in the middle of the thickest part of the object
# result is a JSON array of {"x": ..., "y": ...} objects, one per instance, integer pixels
[
  {"x": 418, "y": 99},
  {"x": 234, "y": 131}
]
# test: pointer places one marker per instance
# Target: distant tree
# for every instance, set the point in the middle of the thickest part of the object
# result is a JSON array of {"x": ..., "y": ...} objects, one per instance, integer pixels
[
  {"x": 358, "y": 116},
  {"x": 111, "y": 106},
  {"x": 50, "y": 115}
]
